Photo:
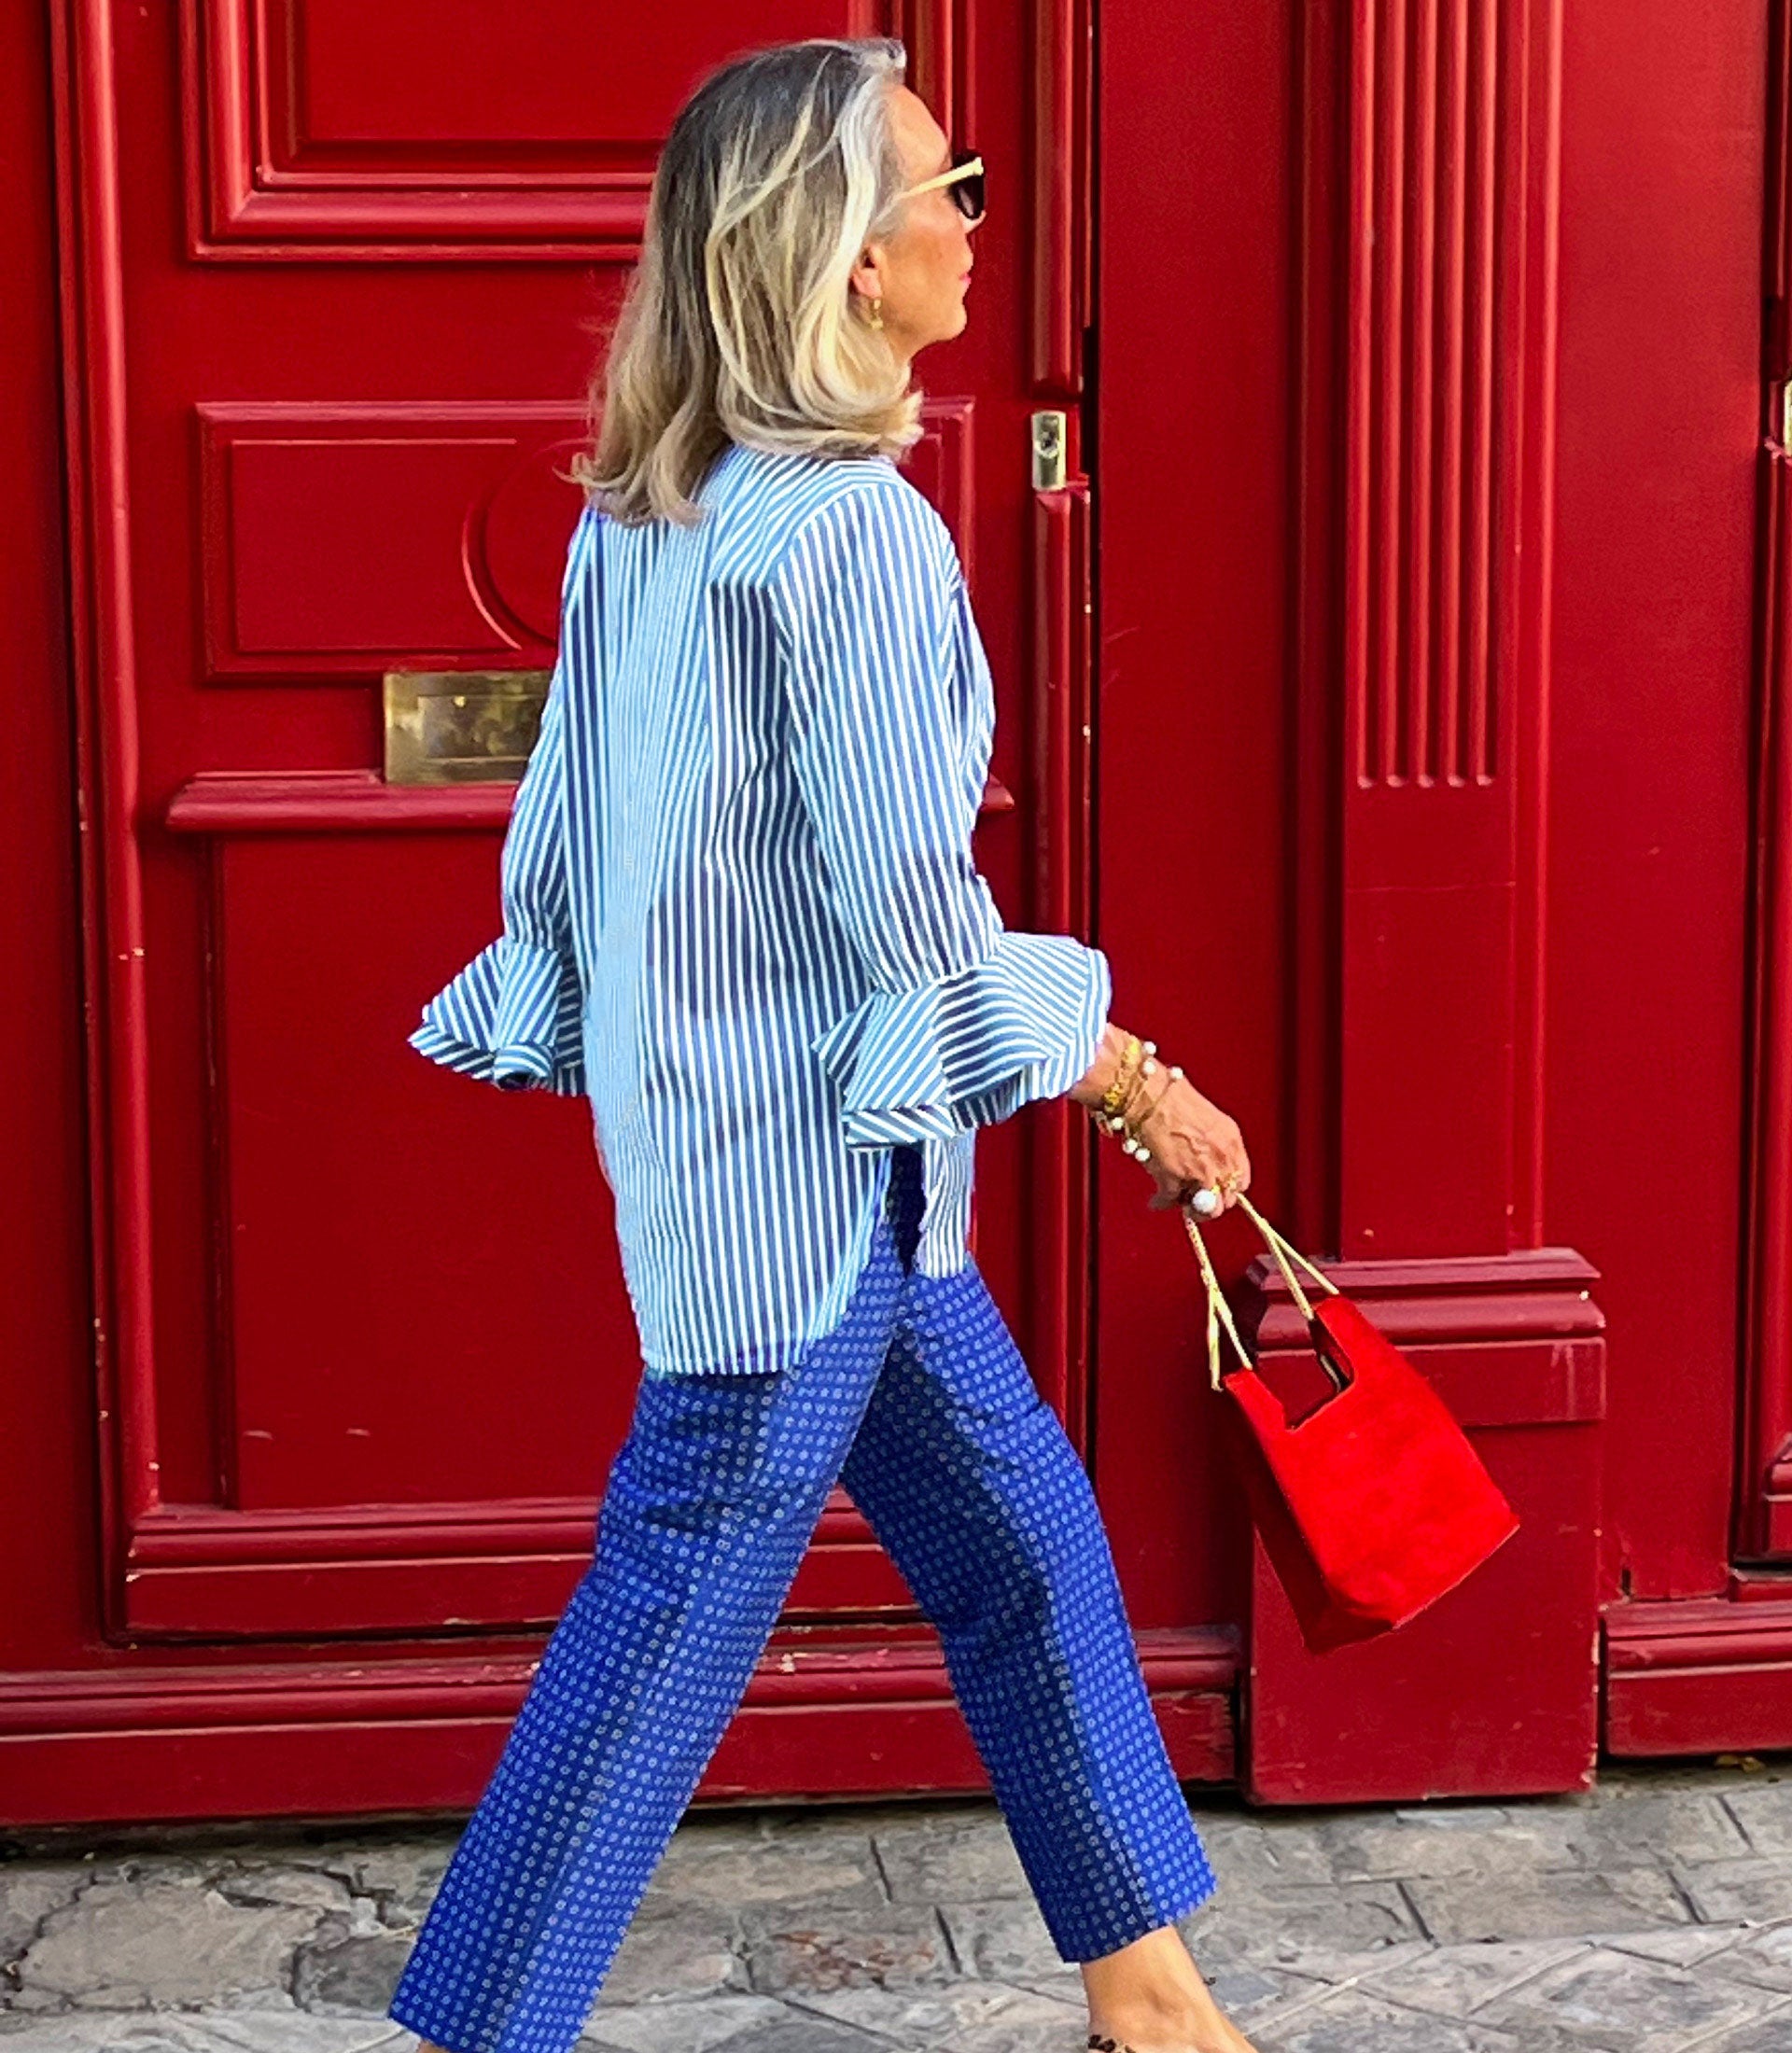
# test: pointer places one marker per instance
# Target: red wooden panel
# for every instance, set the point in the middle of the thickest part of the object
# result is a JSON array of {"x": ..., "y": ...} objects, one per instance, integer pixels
[
  {"x": 337, "y": 537},
  {"x": 368, "y": 86},
  {"x": 48, "y": 1374},
  {"x": 319, "y": 128},
  {"x": 1494, "y": 1688},
  {"x": 1649, "y": 751},
  {"x": 1443, "y": 285},
  {"x": 852, "y": 1713},
  {"x": 1699, "y": 1675},
  {"x": 1061, "y": 724},
  {"x": 1449, "y": 304},
  {"x": 1492, "y": 1691},
  {"x": 1764, "y": 1522},
  {"x": 379, "y": 1237},
  {"x": 1764, "y": 1508},
  {"x": 1192, "y": 470},
  {"x": 227, "y": 1573},
  {"x": 298, "y": 477},
  {"x": 1063, "y": 173},
  {"x": 1420, "y": 958}
]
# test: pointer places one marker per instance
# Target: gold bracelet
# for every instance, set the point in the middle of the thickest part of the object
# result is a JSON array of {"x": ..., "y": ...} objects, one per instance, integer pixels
[
  {"x": 1134, "y": 1128},
  {"x": 1128, "y": 1055},
  {"x": 1148, "y": 1069},
  {"x": 1108, "y": 1114},
  {"x": 1117, "y": 1122}
]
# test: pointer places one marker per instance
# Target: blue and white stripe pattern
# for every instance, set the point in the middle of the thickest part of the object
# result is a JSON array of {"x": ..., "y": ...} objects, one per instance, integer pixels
[{"x": 741, "y": 909}]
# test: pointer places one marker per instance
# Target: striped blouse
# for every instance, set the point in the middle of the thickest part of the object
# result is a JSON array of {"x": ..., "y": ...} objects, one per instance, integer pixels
[{"x": 741, "y": 911}]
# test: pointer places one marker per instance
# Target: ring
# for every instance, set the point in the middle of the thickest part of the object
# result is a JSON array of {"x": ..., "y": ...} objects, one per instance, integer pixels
[{"x": 1206, "y": 1202}]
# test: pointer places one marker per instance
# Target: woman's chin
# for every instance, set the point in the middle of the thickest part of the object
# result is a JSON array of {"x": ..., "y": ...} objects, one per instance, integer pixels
[{"x": 955, "y": 325}]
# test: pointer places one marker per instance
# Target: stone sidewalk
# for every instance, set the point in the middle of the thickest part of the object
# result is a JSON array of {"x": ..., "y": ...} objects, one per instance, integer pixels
[{"x": 1651, "y": 1916}]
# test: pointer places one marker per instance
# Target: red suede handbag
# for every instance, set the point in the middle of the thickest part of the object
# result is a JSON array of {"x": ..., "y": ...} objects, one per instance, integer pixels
[{"x": 1373, "y": 1503}]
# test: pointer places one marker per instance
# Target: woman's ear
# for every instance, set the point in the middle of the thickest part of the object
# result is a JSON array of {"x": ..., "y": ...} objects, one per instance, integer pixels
[{"x": 867, "y": 276}]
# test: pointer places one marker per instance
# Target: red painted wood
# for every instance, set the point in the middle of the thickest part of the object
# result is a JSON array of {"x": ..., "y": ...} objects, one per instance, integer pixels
[
  {"x": 841, "y": 1714},
  {"x": 1660, "y": 405},
  {"x": 1063, "y": 175},
  {"x": 1731, "y": 491},
  {"x": 46, "y": 1372},
  {"x": 1509, "y": 1007},
  {"x": 1448, "y": 424},
  {"x": 1062, "y": 722},
  {"x": 1469, "y": 1026},
  {"x": 326, "y": 1338},
  {"x": 1698, "y": 1675},
  {"x": 1764, "y": 1520},
  {"x": 1492, "y": 1691},
  {"x": 419, "y": 132},
  {"x": 359, "y": 802},
  {"x": 1190, "y": 452},
  {"x": 300, "y": 503},
  {"x": 435, "y": 1565},
  {"x": 1495, "y": 1689}
]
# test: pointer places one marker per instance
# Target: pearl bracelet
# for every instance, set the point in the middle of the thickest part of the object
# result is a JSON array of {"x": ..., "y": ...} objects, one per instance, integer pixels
[{"x": 1114, "y": 1121}]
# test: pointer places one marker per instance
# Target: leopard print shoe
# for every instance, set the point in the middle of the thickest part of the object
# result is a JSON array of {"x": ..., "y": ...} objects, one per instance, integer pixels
[{"x": 1097, "y": 2044}]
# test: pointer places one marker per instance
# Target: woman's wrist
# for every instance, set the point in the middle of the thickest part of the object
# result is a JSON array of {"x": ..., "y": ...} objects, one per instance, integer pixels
[{"x": 1092, "y": 1086}]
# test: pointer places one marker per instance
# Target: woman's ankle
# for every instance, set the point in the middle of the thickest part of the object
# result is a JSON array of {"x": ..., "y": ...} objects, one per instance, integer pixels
[
  {"x": 1153, "y": 2014},
  {"x": 1152, "y": 1993}
]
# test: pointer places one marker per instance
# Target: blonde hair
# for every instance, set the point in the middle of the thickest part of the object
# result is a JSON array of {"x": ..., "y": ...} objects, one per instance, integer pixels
[{"x": 737, "y": 326}]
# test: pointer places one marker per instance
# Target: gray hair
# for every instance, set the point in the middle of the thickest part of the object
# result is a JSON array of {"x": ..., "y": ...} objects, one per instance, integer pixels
[{"x": 737, "y": 326}]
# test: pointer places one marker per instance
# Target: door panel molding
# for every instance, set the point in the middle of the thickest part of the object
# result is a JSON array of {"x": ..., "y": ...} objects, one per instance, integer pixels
[
  {"x": 223, "y": 1573},
  {"x": 106, "y": 671},
  {"x": 264, "y": 186},
  {"x": 1764, "y": 1491},
  {"x": 1063, "y": 171}
]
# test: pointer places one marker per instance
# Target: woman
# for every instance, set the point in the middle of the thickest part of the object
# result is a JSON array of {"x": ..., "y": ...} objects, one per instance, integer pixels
[{"x": 742, "y": 915}]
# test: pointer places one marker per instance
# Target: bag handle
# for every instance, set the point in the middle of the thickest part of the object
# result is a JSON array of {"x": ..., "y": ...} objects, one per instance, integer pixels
[
  {"x": 1219, "y": 1312},
  {"x": 1281, "y": 1249}
]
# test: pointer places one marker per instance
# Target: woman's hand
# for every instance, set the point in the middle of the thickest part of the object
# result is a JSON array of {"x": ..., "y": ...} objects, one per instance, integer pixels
[{"x": 1194, "y": 1145}]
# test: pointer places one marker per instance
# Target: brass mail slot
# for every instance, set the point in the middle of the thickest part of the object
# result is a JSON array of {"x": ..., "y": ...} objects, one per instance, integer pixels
[{"x": 461, "y": 726}]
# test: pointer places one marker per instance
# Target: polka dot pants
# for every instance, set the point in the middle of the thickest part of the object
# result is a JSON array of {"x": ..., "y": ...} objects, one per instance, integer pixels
[{"x": 920, "y": 1404}]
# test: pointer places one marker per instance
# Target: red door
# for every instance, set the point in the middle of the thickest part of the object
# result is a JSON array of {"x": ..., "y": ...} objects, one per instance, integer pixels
[
  {"x": 1429, "y": 422},
  {"x": 1699, "y": 1643},
  {"x": 1423, "y": 390},
  {"x": 334, "y": 279}
]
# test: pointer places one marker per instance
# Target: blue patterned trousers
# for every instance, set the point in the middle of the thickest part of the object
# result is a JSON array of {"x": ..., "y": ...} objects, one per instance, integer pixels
[{"x": 921, "y": 1404}]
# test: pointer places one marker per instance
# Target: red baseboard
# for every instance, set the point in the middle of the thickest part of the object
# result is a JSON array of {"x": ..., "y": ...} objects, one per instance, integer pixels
[
  {"x": 871, "y": 1715},
  {"x": 1699, "y": 1675}
]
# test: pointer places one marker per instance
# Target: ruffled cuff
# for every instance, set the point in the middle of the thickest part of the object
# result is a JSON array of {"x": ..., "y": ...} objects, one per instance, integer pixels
[
  {"x": 512, "y": 1018},
  {"x": 971, "y": 1048}
]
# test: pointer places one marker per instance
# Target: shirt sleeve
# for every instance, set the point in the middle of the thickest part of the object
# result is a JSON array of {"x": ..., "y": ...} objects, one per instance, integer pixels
[
  {"x": 514, "y": 1017},
  {"x": 964, "y": 1020}
]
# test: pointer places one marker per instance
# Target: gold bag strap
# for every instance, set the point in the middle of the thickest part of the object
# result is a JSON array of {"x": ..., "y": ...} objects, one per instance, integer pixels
[
  {"x": 1281, "y": 1249},
  {"x": 1219, "y": 1312}
]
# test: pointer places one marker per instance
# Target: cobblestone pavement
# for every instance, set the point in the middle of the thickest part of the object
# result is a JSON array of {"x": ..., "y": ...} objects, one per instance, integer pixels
[{"x": 1653, "y": 1915}]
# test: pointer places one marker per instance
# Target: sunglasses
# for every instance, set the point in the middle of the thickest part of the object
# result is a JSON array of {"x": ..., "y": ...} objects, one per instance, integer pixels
[{"x": 964, "y": 182}]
